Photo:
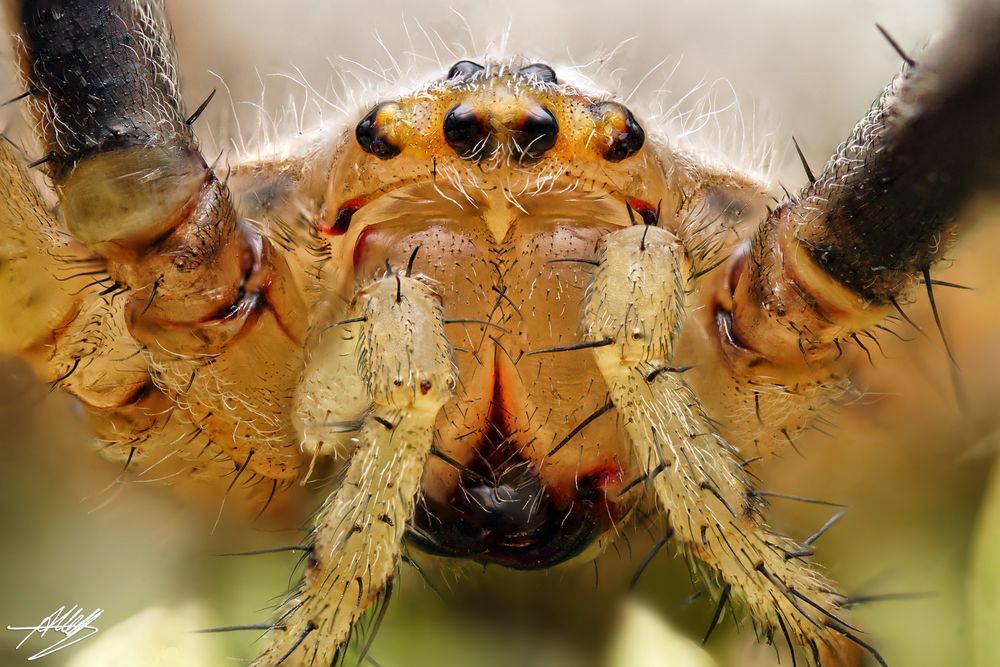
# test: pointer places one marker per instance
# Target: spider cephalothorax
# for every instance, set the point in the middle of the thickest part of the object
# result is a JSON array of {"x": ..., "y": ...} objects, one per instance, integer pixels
[
  {"x": 499, "y": 182},
  {"x": 505, "y": 309}
]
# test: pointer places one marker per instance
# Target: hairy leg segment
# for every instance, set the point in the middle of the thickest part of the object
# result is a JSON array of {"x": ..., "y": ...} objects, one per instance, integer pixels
[{"x": 214, "y": 326}]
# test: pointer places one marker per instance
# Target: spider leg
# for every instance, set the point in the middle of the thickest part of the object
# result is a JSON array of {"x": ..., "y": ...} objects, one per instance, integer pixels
[
  {"x": 637, "y": 300},
  {"x": 833, "y": 261},
  {"x": 888, "y": 205},
  {"x": 209, "y": 300},
  {"x": 405, "y": 361},
  {"x": 59, "y": 316}
]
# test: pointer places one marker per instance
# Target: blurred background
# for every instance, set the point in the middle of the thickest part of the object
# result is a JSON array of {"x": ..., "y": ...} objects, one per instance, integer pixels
[{"x": 911, "y": 464}]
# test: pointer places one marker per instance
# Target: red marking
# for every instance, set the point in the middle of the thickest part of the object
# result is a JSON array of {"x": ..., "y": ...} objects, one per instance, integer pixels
[
  {"x": 359, "y": 246},
  {"x": 606, "y": 476},
  {"x": 342, "y": 221},
  {"x": 650, "y": 214}
]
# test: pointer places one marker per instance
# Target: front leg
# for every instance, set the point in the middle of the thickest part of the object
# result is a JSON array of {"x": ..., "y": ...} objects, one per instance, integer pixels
[
  {"x": 404, "y": 361},
  {"x": 829, "y": 267},
  {"x": 210, "y": 300}
]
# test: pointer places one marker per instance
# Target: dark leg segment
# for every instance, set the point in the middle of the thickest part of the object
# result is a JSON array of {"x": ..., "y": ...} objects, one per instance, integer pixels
[
  {"x": 831, "y": 261},
  {"x": 211, "y": 302},
  {"x": 886, "y": 203},
  {"x": 103, "y": 78}
]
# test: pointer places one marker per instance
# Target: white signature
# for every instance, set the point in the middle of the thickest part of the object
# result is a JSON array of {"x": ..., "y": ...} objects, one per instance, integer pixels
[{"x": 72, "y": 623}]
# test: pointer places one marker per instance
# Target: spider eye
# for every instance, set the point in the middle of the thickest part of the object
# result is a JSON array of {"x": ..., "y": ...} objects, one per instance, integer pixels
[
  {"x": 466, "y": 131},
  {"x": 624, "y": 135},
  {"x": 464, "y": 69},
  {"x": 373, "y": 134},
  {"x": 540, "y": 72},
  {"x": 536, "y": 133}
]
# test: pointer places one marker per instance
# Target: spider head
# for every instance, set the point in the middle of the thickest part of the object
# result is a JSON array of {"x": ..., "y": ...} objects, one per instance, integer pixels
[
  {"x": 508, "y": 125},
  {"x": 501, "y": 114}
]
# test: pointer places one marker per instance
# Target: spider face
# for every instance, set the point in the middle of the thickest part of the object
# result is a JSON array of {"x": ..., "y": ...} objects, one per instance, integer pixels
[
  {"x": 498, "y": 113},
  {"x": 499, "y": 183},
  {"x": 505, "y": 128}
]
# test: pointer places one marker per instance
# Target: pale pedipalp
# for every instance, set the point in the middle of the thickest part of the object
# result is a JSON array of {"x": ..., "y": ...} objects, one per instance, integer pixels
[
  {"x": 713, "y": 510},
  {"x": 405, "y": 359}
]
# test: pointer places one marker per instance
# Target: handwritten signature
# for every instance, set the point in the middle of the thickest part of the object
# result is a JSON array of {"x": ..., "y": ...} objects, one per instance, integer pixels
[{"x": 72, "y": 623}]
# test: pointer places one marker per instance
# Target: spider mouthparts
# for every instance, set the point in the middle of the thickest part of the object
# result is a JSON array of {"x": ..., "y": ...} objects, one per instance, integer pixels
[
  {"x": 508, "y": 517},
  {"x": 504, "y": 506}
]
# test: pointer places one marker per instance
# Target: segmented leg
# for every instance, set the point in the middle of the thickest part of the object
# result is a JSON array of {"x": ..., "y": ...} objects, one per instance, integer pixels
[
  {"x": 66, "y": 316},
  {"x": 210, "y": 302},
  {"x": 826, "y": 268},
  {"x": 404, "y": 361},
  {"x": 637, "y": 299}
]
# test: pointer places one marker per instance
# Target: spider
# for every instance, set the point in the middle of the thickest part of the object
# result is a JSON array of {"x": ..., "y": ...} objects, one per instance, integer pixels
[{"x": 507, "y": 311}]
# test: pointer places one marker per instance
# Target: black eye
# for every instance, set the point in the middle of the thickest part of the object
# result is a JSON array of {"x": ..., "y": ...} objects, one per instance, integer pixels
[
  {"x": 466, "y": 131},
  {"x": 626, "y": 135},
  {"x": 540, "y": 72},
  {"x": 373, "y": 138},
  {"x": 536, "y": 133},
  {"x": 464, "y": 69},
  {"x": 629, "y": 141}
]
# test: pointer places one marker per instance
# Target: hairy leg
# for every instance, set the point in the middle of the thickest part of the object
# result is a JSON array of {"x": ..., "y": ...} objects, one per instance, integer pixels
[
  {"x": 787, "y": 318},
  {"x": 210, "y": 302},
  {"x": 36, "y": 260}
]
